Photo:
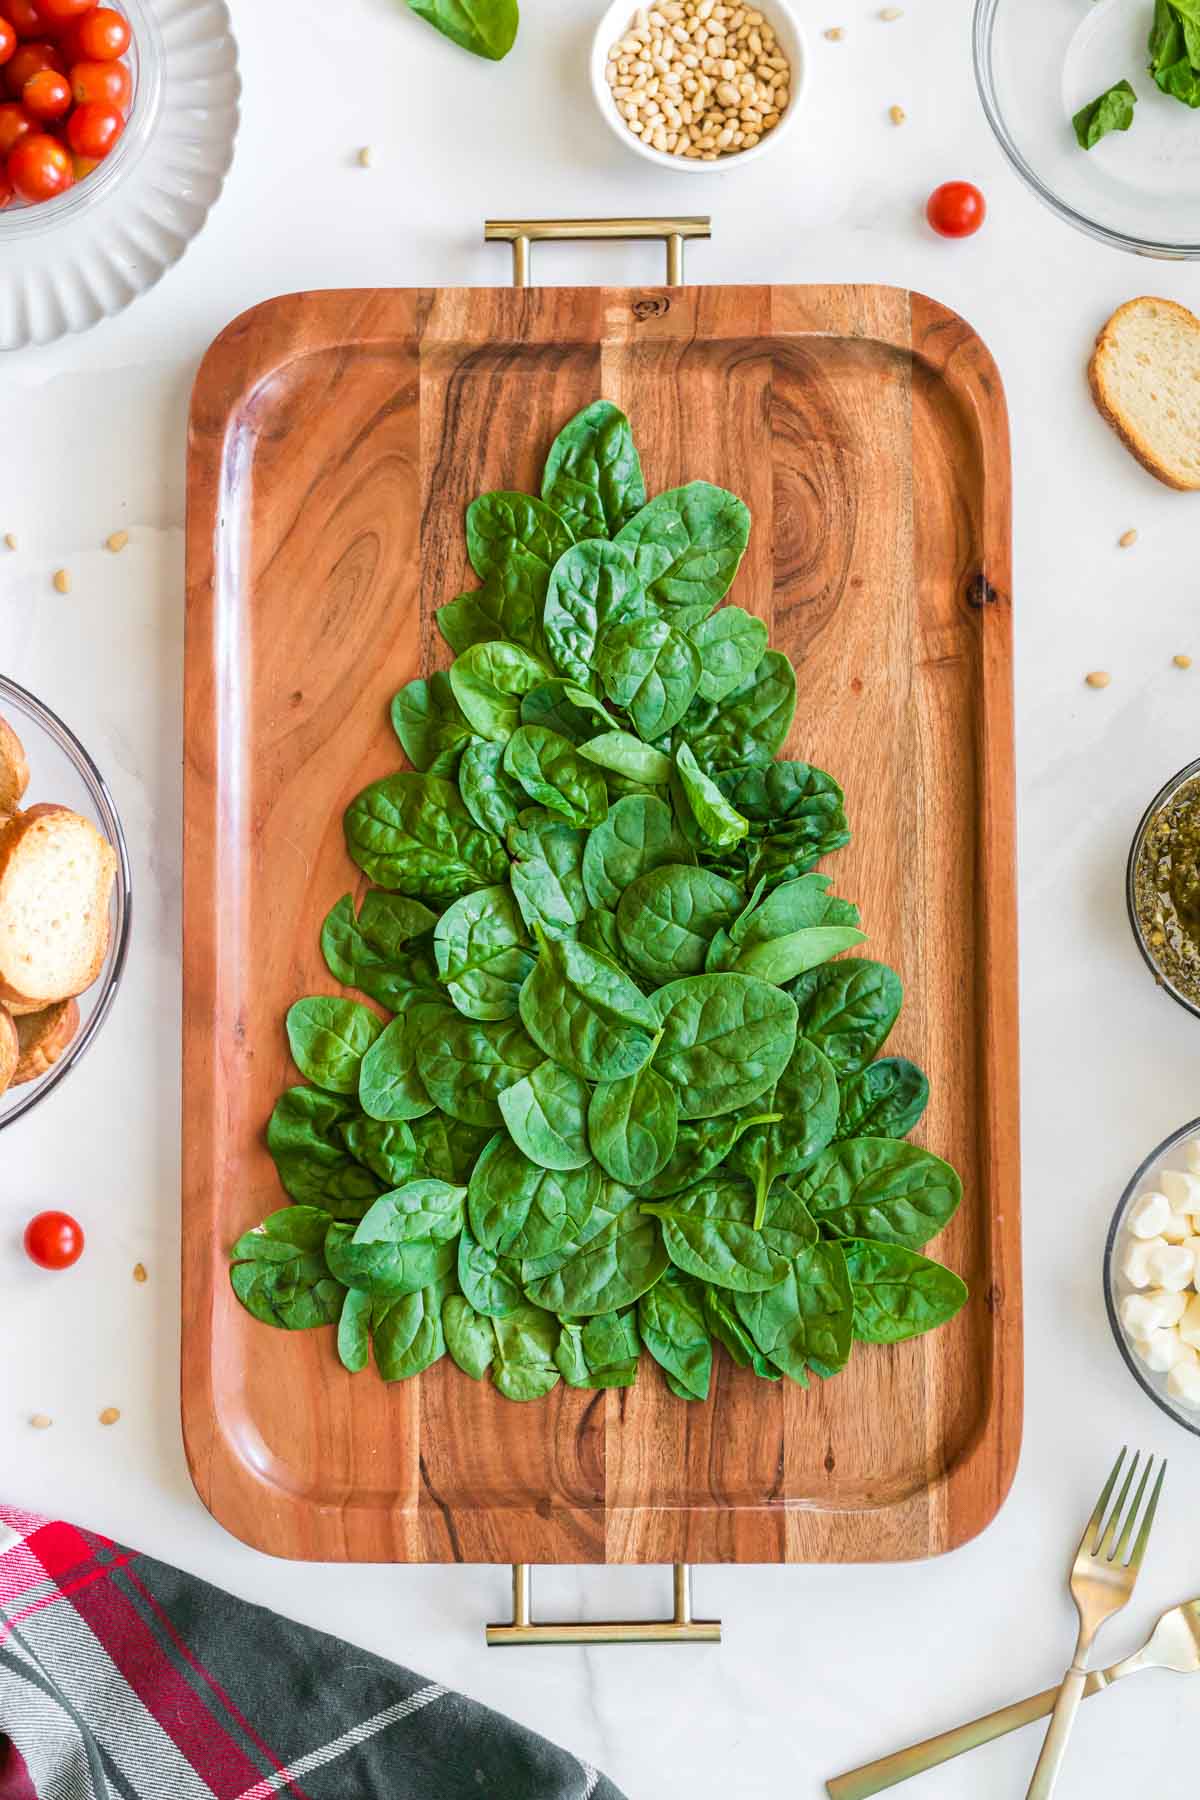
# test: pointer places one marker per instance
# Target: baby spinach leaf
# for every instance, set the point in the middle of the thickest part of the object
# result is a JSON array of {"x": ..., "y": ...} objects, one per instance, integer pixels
[
  {"x": 507, "y": 531},
  {"x": 389, "y": 1150},
  {"x": 795, "y": 906},
  {"x": 389, "y": 1083},
  {"x": 492, "y": 797},
  {"x": 489, "y": 681},
  {"x": 781, "y": 959},
  {"x": 749, "y": 725},
  {"x": 546, "y": 1116},
  {"x": 725, "y": 1040},
  {"x": 651, "y": 670},
  {"x": 295, "y": 1295},
  {"x": 668, "y": 917},
  {"x": 877, "y": 1188},
  {"x": 847, "y": 1009},
  {"x": 522, "y": 1210},
  {"x": 546, "y": 875},
  {"x": 310, "y": 1154},
  {"x": 780, "y": 793},
  {"x": 594, "y": 586},
  {"x": 632, "y": 1126},
  {"x": 466, "y": 1064},
  {"x": 626, "y": 755},
  {"x": 432, "y": 729},
  {"x": 602, "y": 1352},
  {"x": 448, "y": 1149},
  {"x": 489, "y": 1282},
  {"x": 898, "y": 1294},
  {"x": 686, "y": 546},
  {"x": 526, "y": 1340},
  {"x": 593, "y": 478},
  {"x": 805, "y": 1103},
  {"x": 730, "y": 643},
  {"x": 673, "y": 1329},
  {"x": 610, "y": 1271},
  {"x": 807, "y": 1320},
  {"x": 412, "y": 833},
  {"x": 638, "y": 835},
  {"x": 484, "y": 27},
  {"x": 720, "y": 822},
  {"x": 508, "y": 605},
  {"x": 702, "y": 1145},
  {"x": 354, "y": 1330},
  {"x": 552, "y": 773},
  {"x": 886, "y": 1099},
  {"x": 722, "y": 1320},
  {"x": 369, "y": 951},
  {"x": 407, "y": 1333},
  {"x": 482, "y": 955},
  {"x": 561, "y": 706},
  {"x": 598, "y": 930},
  {"x": 328, "y": 1039},
  {"x": 585, "y": 1014},
  {"x": 293, "y": 1231},
  {"x": 709, "y": 1233},
  {"x": 470, "y": 1336},
  {"x": 1110, "y": 111}
]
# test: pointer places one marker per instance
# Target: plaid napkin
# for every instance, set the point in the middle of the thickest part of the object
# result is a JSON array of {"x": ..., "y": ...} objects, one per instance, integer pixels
[{"x": 124, "y": 1679}]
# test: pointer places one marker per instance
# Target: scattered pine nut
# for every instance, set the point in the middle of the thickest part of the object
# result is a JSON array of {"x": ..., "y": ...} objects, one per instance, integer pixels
[
  {"x": 1127, "y": 539},
  {"x": 366, "y": 156},
  {"x": 835, "y": 34},
  {"x": 1099, "y": 678},
  {"x": 41, "y": 1421},
  {"x": 62, "y": 581},
  {"x": 10, "y": 540},
  {"x": 1182, "y": 662},
  {"x": 110, "y": 1415},
  {"x": 116, "y": 540},
  {"x": 890, "y": 13},
  {"x": 897, "y": 115},
  {"x": 139, "y": 1272}
]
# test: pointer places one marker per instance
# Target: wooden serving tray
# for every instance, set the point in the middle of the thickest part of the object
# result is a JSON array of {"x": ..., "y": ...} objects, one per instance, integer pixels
[{"x": 336, "y": 439}]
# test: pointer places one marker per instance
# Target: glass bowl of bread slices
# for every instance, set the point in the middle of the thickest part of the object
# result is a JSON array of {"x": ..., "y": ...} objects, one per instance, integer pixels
[{"x": 64, "y": 901}]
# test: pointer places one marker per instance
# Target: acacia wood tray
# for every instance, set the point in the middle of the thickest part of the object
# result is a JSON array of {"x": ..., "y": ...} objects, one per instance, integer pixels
[{"x": 335, "y": 440}]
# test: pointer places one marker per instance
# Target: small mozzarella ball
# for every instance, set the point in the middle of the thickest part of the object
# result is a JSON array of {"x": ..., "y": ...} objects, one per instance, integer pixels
[
  {"x": 1183, "y": 1378},
  {"x": 1149, "y": 1214},
  {"x": 1135, "y": 1266},
  {"x": 1189, "y": 1325},
  {"x": 1161, "y": 1350},
  {"x": 1178, "y": 1228},
  {"x": 1191, "y": 1155},
  {"x": 1140, "y": 1316},
  {"x": 1182, "y": 1190},
  {"x": 1193, "y": 1244},
  {"x": 1172, "y": 1267}
]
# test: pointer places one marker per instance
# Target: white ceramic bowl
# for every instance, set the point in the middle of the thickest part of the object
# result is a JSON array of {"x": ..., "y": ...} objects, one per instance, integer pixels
[{"x": 616, "y": 21}]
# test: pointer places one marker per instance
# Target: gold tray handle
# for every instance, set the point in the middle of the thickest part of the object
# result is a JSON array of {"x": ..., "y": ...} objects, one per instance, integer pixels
[
  {"x": 682, "y": 1629},
  {"x": 522, "y": 233}
]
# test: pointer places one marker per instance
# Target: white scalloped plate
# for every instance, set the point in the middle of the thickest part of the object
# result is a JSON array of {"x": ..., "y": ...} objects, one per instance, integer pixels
[{"x": 70, "y": 262}]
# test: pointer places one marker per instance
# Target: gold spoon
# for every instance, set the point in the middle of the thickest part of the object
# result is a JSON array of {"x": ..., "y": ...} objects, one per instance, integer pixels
[{"x": 1174, "y": 1644}]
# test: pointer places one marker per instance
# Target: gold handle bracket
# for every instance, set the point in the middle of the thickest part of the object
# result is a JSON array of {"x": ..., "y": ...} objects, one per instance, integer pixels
[
  {"x": 682, "y": 1629},
  {"x": 522, "y": 233}
]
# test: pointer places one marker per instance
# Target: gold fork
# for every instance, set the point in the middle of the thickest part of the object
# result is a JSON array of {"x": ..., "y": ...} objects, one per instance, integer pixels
[
  {"x": 1102, "y": 1582},
  {"x": 1174, "y": 1644}
]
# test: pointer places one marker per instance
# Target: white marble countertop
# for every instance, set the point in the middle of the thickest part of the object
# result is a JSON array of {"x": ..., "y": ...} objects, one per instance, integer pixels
[{"x": 821, "y": 1667}]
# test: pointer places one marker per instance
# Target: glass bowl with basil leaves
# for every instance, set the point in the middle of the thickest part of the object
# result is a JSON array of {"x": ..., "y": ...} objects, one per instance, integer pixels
[
  {"x": 1097, "y": 107},
  {"x": 1162, "y": 887}
]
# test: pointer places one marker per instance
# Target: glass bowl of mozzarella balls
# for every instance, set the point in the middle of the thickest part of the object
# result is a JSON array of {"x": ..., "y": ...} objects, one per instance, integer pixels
[{"x": 1152, "y": 1276}]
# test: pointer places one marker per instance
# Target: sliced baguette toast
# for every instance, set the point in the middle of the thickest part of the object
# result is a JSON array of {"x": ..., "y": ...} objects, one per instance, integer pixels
[
  {"x": 1145, "y": 380},
  {"x": 43, "y": 1037},
  {"x": 14, "y": 770},
  {"x": 56, "y": 876},
  {"x": 10, "y": 1050}
]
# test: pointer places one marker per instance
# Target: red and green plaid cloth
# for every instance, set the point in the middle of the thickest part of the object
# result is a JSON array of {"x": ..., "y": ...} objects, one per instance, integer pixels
[{"x": 124, "y": 1679}]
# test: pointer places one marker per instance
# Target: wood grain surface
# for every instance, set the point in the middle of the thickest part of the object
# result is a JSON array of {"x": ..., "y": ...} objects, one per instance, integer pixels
[{"x": 335, "y": 440}]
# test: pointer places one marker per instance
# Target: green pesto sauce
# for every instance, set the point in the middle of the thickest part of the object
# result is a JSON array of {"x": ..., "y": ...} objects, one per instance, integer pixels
[{"x": 1167, "y": 890}]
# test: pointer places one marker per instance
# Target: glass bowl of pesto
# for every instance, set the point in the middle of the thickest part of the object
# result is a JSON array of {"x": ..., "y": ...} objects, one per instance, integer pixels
[
  {"x": 1097, "y": 108},
  {"x": 1162, "y": 887}
]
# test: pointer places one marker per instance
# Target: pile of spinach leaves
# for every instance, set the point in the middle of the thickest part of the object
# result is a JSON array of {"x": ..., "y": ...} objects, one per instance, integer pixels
[
  {"x": 1174, "y": 53},
  {"x": 620, "y": 1089}
]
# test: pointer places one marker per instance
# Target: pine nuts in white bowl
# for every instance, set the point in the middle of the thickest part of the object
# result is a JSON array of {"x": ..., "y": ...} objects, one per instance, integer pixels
[{"x": 693, "y": 83}]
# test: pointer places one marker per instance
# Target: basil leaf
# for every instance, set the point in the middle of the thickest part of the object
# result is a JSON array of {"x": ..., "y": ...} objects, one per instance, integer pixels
[
  {"x": 1110, "y": 111},
  {"x": 484, "y": 27}
]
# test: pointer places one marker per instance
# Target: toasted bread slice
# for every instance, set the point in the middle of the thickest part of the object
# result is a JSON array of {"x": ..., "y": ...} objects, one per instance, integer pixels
[
  {"x": 56, "y": 875},
  {"x": 1145, "y": 379},
  {"x": 43, "y": 1037},
  {"x": 14, "y": 770},
  {"x": 10, "y": 1050}
]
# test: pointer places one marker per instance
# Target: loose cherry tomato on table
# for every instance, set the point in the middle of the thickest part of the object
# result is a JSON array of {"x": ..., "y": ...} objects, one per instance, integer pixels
[
  {"x": 93, "y": 129},
  {"x": 15, "y": 123},
  {"x": 54, "y": 1240},
  {"x": 106, "y": 81},
  {"x": 63, "y": 12},
  {"x": 27, "y": 62},
  {"x": 39, "y": 167},
  {"x": 25, "y": 19},
  {"x": 46, "y": 96},
  {"x": 8, "y": 40},
  {"x": 956, "y": 209},
  {"x": 100, "y": 36}
]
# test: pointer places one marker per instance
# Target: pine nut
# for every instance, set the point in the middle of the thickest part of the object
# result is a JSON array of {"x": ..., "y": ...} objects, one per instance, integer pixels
[
  {"x": 897, "y": 115},
  {"x": 1127, "y": 538},
  {"x": 1099, "y": 678},
  {"x": 110, "y": 1415},
  {"x": 116, "y": 541},
  {"x": 835, "y": 34},
  {"x": 1182, "y": 662},
  {"x": 10, "y": 540},
  {"x": 41, "y": 1421},
  {"x": 62, "y": 581},
  {"x": 139, "y": 1273}
]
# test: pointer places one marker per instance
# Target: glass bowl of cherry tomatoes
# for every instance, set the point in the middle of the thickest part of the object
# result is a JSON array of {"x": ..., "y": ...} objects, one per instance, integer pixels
[{"x": 80, "y": 85}]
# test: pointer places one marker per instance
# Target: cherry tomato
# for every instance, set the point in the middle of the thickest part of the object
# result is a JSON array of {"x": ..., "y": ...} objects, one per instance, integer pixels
[
  {"x": 107, "y": 81},
  {"x": 94, "y": 128},
  {"x": 54, "y": 1240},
  {"x": 14, "y": 123},
  {"x": 101, "y": 36},
  {"x": 83, "y": 165},
  {"x": 39, "y": 167},
  {"x": 6, "y": 190},
  {"x": 29, "y": 61},
  {"x": 8, "y": 40},
  {"x": 956, "y": 209},
  {"x": 62, "y": 12},
  {"x": 25, "y": 18},
  {"x": 47, "y": 96}
]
